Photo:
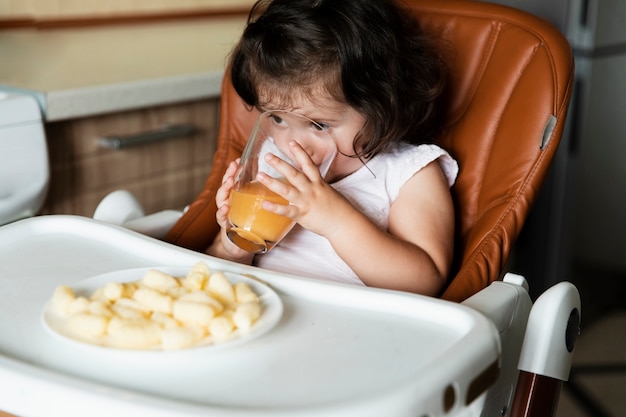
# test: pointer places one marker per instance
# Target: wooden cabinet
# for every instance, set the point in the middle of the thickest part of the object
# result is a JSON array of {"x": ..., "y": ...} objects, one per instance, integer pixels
[{"x": 167, "y": 174}]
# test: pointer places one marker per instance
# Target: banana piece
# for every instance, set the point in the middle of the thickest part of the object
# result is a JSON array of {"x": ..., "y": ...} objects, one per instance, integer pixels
[
  {"x": 86, "y": 325},
  {"x": 134, "y": 334},
  {"x": 164, "y": 320},
  {"x": 154, "y": 300},
  {"x": 195, "y": 280},
  {"x": 177, "y": 292},
  {"x": 126, "y": 312},
  {"x": 246, "y": 314},
  {"x": 203, "y": 298},
  {"x": 222, "y": 288},
  {"x": 78, "y": 305},
  {"x": 99, "y": 308},
  {"x": 134, "y": 304},
  {"x": 98, "y": 295},
  {"x": 115, "y": 323},
  {"x": 192, "y": 313},
  {"x": 179, "y": 338},
  {"x": 61, "y": 299},
  {"x": 243, "y": 293},
  {"x": 201, "y": 268},
  {"x": 221, "y": 327},
  {"x": 159, "y": 281},
  {"x": 197, "y": 277},
  {"x": 114, "y": 290}
]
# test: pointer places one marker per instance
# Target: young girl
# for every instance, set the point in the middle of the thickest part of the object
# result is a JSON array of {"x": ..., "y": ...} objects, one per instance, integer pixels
[{"x": 362, "y": 70}]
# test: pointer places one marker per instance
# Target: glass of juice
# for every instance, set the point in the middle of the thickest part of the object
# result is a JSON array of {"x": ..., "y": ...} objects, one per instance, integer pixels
[{"x": 251, "y": 227}]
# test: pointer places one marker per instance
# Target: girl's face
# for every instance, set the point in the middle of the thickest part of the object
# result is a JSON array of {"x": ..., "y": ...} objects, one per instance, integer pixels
[{"x": 341, "y": 122}]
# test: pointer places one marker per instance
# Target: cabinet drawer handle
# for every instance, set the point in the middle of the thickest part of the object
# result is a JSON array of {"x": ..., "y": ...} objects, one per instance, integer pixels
[{"x": 167, "y": 132}]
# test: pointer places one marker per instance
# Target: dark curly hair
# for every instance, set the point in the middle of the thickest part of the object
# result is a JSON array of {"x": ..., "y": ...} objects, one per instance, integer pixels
[{"x": 369, "y": 54}]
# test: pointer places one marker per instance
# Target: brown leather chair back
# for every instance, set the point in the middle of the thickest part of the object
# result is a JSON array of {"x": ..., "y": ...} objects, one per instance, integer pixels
[{"x": 510, "y": 84}]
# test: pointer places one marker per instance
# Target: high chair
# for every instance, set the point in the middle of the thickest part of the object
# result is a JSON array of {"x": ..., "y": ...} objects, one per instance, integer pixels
[{"x": 510, "y": 85}]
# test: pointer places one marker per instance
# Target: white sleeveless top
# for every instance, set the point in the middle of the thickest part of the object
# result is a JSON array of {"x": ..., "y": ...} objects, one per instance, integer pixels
[{"x": 305, "y": 253}]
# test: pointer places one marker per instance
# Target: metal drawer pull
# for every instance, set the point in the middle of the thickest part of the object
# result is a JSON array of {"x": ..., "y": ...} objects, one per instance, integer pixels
[{"x": 167, "y": 132}]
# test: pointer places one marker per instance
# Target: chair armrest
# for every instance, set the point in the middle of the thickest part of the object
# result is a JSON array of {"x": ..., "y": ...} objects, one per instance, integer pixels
[
  {"x": 507, "y": 304},
  {"x": 553, "y": 327},
  {"x": 122, "y": 208},
  {"x": 155, "y": 225}
]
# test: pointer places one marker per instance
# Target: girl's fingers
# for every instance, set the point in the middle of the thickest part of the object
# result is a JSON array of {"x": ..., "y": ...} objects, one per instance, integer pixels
[
  {"x": 230, "y": 170},
  {"x": 228, "y": 181},
  {"x": 286, "y": 169},
  {"x": 299, "y": 178},
  {"x": 309, "y": 168},
  {"x": 222, "y": 194},
  {"x": 222, "y": 215},
  {"x": 286, "y": 210},
  {"x": 281, "y": 188}
]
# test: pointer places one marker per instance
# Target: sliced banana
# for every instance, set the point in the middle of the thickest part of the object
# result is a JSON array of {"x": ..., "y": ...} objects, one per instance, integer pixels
[{"x": 160, "y": 311}]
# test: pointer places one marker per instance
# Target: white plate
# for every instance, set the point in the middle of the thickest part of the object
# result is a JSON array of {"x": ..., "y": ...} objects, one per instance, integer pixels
[{"x": 272, "y": 310}]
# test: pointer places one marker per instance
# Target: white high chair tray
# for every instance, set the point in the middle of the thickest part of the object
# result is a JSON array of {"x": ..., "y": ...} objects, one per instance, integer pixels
[{"x": 336, "y": 350}]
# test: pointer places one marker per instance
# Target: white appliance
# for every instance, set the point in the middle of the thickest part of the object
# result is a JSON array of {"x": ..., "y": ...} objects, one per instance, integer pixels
[{"x": 24, "y": 169}]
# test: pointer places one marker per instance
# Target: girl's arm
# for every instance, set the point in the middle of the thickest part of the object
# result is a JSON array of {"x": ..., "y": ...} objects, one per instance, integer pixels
[{"x": 416, "y": 254}]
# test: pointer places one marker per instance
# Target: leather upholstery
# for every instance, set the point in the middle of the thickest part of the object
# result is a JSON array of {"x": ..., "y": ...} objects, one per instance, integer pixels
[{"x": 510, "y": 72}]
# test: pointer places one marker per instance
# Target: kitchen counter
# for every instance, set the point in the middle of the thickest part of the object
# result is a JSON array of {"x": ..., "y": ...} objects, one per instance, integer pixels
[{"x": 78, "y": 72}]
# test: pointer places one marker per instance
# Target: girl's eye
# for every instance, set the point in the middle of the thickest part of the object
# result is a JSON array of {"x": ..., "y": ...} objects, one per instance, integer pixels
[
  {"x": 276, "y": 119},
  {"x": 320, "y": 126}
]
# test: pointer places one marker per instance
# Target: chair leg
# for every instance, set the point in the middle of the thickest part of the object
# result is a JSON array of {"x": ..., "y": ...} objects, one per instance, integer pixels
[
  {"x": 546, "y": 357},
  {"x": 536, "y": 395}
]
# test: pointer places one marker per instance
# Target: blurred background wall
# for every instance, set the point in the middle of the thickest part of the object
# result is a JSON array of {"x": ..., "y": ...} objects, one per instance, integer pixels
[
  {"x": 577, "y": 229},
  {"x": 66, "y": 8}
]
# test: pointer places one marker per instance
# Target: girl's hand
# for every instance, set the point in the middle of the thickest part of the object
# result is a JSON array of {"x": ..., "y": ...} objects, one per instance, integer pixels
[
  {"x": 313, "y": 202},
  {"x": 222, "y": 246},
  {"x": 223, "y": 193}
]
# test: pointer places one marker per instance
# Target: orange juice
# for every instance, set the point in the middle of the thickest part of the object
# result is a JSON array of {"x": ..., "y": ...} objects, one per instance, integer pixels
[{"x": 253, "y": 223}]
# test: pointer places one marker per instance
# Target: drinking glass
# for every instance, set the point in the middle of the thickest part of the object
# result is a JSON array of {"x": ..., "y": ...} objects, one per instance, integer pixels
[{"x": 250, "y": 226}]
